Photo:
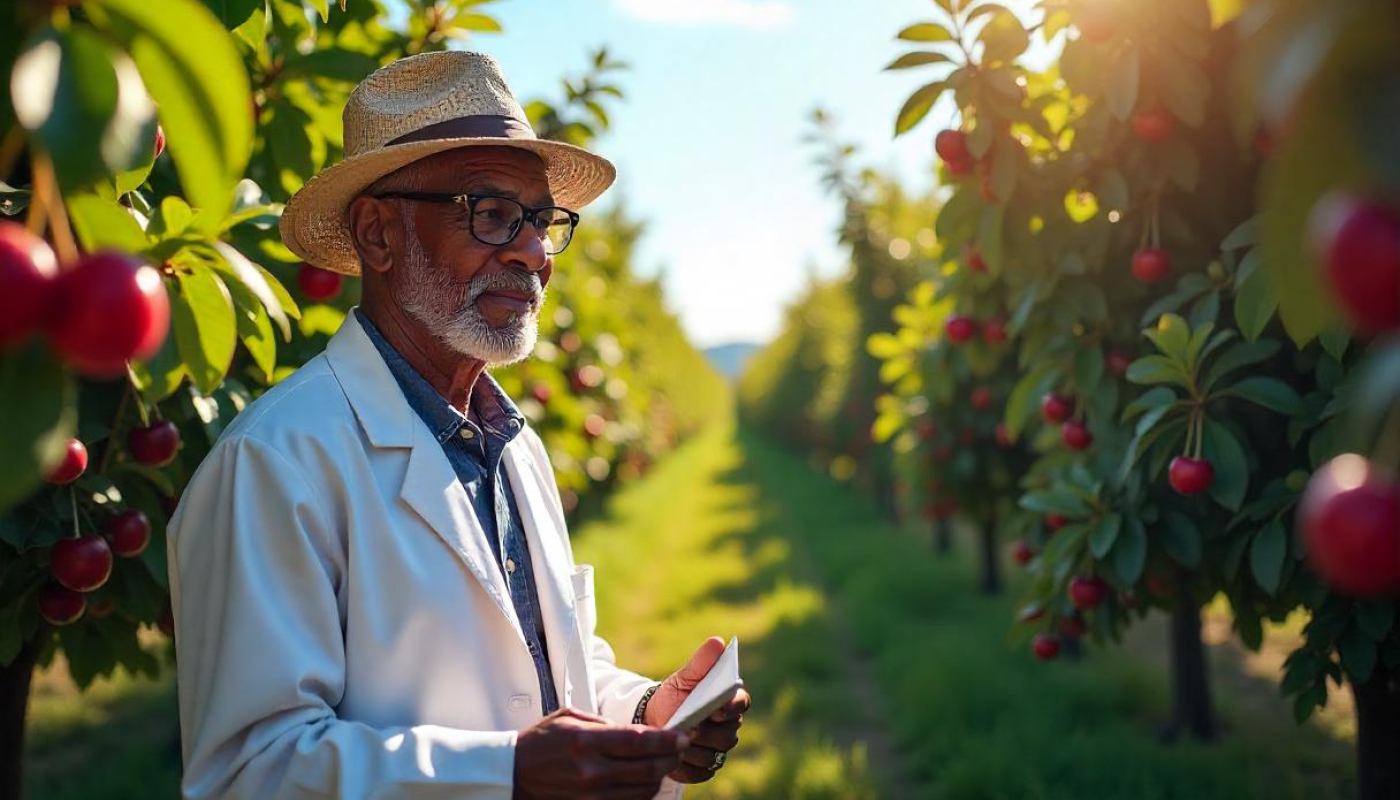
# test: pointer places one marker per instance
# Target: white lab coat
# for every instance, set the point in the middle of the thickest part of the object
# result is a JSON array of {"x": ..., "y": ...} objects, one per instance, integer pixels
[{"x": 341, "y": 628}]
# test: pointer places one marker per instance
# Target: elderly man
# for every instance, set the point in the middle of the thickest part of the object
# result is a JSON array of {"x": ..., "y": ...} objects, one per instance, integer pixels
[{"x": 372, "y": 582}]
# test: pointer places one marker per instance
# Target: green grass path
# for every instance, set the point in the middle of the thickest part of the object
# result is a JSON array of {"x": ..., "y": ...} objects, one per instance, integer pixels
[{"x": 876, "y": 668}]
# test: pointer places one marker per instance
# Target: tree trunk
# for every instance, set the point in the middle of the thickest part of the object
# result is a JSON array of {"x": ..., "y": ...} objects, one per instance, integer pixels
[
  {"x": 1191, "y": 708},
  {"x": 942, "y": 536},
  {"x": 14, "y": 702},
  {"x": 1378, "y": 735},
  {"x": 991, "y": 567}
]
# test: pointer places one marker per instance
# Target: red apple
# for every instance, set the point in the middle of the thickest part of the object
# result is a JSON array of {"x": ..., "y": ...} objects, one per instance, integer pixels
[
  {"x": 1086, "y": 593},
  {"x": 1151, "y": 264},
  {"x": 1056, "y": 408},
  {"x": 1055, "y": 521},
  {"x": 981, "y": 398},
  {"x": 1045, "y": 646},
  {"x": 318, "y": 285},
  {"x": 1154, "y": 124},
  {"x": 74, "y": 464},
  {"x": 1022, "y": 553},
  {"x": 994, "y": 331},
  {"x": 1350, "y": 517},
  {"x": 60, "y": 605},
  {"x": 951, "y": 145},
  {"x": 82, "y": 564},
  {"x": 154, "y": 445},
  {"x": 959, "y": 329},
  {"x": 1076, "y": 435},
  {"x": 1190, "y": 475},
  {"x": 1072, "y": 627},
  {"x": 27, "y": 272},
  {"x": 109, "y": 308},
  {"x": 129, "y": 532},
  {"x": 1358, "y": 241}
]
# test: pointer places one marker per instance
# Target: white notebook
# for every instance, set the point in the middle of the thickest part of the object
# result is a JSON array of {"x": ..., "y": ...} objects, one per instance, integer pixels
[{"x": 718, "y": 687}]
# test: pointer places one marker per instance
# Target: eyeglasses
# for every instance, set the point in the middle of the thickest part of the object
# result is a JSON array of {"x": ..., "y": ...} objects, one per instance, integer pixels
[{"x": 496, "y": 220}]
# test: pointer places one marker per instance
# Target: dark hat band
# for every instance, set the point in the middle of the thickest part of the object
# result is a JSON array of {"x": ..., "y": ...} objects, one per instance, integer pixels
[{"x": 476, "y": 126}]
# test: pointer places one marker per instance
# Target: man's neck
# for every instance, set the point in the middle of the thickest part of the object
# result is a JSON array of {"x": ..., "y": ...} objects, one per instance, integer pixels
[{"x": 451, "y": 373}]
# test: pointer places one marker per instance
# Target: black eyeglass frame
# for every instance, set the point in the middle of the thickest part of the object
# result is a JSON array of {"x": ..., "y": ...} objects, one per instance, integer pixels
[{"x": 470, "y": 200}]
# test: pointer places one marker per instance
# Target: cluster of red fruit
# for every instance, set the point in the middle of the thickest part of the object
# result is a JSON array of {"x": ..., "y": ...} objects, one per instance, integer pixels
[
  {"x": 1058, "y": 409},
  {"x": 153, "y": 445},
  {"x": 960, "y": 329},
  {"x": 99, "y": 312},
  {"x": 1086, "y": 593},
  {"x": 83, "y": 564}
]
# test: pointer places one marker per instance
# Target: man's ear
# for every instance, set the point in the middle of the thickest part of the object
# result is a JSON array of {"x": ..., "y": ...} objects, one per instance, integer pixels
[{"x": 372, "y": 227}]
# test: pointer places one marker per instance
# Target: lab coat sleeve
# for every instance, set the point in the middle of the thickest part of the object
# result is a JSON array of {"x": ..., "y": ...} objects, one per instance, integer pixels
[{"x": 254, "y": 563}]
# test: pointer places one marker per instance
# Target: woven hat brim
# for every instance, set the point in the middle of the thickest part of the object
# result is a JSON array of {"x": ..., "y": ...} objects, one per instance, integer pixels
[{"x": 315, "y": 225}]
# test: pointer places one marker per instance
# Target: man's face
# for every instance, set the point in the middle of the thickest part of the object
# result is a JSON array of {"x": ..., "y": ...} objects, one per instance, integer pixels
[{"x": 480, "y": 300}]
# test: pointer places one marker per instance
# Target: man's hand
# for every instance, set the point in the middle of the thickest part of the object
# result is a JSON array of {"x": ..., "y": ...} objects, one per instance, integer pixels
[
  {"x": 573, "y": 755},
  {"x": 717, "y": 734}
]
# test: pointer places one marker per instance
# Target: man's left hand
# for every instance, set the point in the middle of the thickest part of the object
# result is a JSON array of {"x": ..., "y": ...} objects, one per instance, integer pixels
[{"x": 712, "y": 739}]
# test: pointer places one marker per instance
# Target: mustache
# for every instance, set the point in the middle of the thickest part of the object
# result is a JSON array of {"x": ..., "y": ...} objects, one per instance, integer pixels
[{"x": 509, "y": 281}]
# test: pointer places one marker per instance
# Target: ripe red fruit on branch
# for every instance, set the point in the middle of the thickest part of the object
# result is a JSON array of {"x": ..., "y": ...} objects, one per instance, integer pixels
[
  {"x": 1190, "y": 475},
  {"x": 82, "y": 564},
  {"x": 1151, "y": 264},
  {"x": 1350, "y": 518},
  {"x": 1022, "y": 553},
  {"x": 994, "y": 331},
  {"x": 60, "y": 605},
  {"x": 74, "y": 463},
  {"x": 108, "y": 308},
  {"x": 1154, "y": 124},
  {"x": 154, "y": 445},
  {"x": 959, "y": 329},
  {"x": 318, "y": 285},
  {"x": 128, "y": 533},
  {"x": 1359, "y": 243},
  {"x": 951, "y": 146},
  {"x": 1087, "y": 593},
  {"x": 1118, "y": 362},
  {"x": 1055, "y": 521},
  {"x": 981, "y": 398},
  {"x": 1076, "y": 436},
  {"x": 27, "y": 272},
  {"x": 1045, "y": 646},
  {"x": 1056, "y": 408}
]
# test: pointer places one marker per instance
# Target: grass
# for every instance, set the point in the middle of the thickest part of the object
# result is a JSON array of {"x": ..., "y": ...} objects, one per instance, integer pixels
[{"x": 877, "y": 670}]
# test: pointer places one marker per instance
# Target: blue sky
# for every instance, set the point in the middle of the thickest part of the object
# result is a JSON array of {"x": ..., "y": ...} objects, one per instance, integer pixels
[{"x": 707, "y": 142}]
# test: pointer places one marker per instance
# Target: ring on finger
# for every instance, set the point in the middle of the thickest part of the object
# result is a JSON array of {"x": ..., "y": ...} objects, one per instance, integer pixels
[{"x": 719, "y": 760}]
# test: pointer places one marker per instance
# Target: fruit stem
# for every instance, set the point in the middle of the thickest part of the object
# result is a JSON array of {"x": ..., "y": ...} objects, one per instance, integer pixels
[
  {"x": 46, "y": 193},
  {"x": 110, "y": 447},
  {"x": 1156, "y": 220},
  {"x": 1200, "y": 433},
  {"x": 10, "y": 148},
  {"x": 73, "y": 495}
]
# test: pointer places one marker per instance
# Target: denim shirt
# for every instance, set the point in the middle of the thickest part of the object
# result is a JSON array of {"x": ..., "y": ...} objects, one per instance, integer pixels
[{"x": 475, "y": 454}]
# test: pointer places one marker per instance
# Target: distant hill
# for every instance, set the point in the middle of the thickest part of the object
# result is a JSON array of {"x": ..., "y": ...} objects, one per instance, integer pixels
[{"x": 730, "y": 359}]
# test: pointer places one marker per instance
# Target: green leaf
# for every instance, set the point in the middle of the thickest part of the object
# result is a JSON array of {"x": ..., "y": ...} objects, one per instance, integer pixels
[
  {"x": 39, "y": 405},
  {"x": 1197, "y": 343},
  {"x": 1181, "y": 539},
  {"x": 1246, "y": 234},
  {"x": 1003, "y": 38},
  {"x": 958, "y": 219},
  {"x": 1231, "y": 466},
  {"x": 1088, "y": 370},
  {"x": 1240, "y": 355},
  {"x": 926, "y": 32},
  {"x": 1153, "y": 398},
  {"x": 1270, "y": 393},
  {"x": 254, "y": 327},
  {"x": 84, "y": 103},
  {"x": 918, "y": 59},
  {"x": 1181, "y": 163},
  {"x": 249, "y": 275},
  {"x": 1266, "y": 556},
  {"x": 1054, "y": 501},
  {"x": 1025, "y": 395},
  {"x": 1157, "y": 369},
  {"x": 159, "y": 376},
  {"x": 102, "y": 224},
  {"x": 1104, "y": 534},
  {"x": 1255, "y": 303},
  {"x": 1172, "y": 336},
  {"x": 479, "y": 23},
  {"x": 194, "y": 72},
  {"x": 1122, "y": 89},
  {"x": 918, "y": 105},
  {"x": 205, "y": 329},
  {"x": 1375, "y": 617},
  {"x": 1185, "y": 88},
  {"x": 1358, "y": 653},
  {"x": 1130, "y": 551}
]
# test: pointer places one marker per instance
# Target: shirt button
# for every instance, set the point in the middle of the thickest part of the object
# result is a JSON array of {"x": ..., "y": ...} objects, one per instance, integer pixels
[
  {"x": 466, "y": 433},
  {"x": 510, "y": 565}
]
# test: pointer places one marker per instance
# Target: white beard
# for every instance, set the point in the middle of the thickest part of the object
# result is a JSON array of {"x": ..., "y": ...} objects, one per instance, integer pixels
[{"x": 446, "y": 307}]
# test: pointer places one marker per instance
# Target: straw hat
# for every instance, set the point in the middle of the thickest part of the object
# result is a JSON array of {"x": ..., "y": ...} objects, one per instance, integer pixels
[{"x": 413, "y": 108}]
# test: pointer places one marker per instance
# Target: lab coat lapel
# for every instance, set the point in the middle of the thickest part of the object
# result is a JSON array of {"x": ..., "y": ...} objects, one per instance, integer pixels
[{"x": 551, "y": 566}]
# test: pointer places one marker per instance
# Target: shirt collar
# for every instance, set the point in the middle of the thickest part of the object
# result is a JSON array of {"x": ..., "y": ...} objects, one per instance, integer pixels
[{"x": 488, "y": 401}]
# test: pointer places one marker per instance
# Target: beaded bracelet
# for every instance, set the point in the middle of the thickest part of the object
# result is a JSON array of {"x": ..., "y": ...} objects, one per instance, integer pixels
[{"x": 642, "y": 705}]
